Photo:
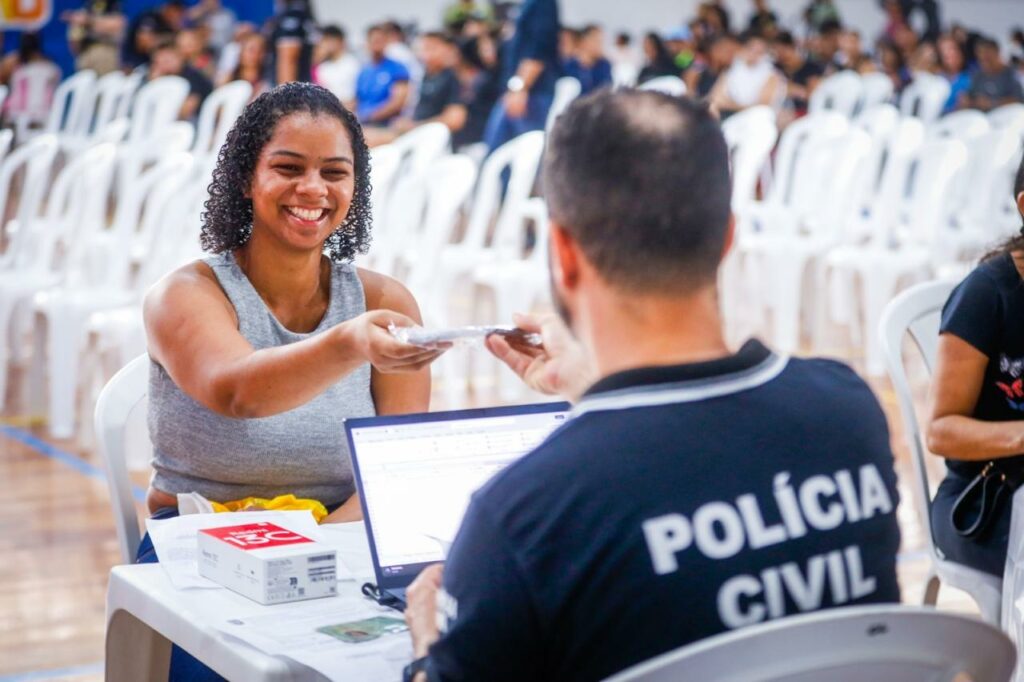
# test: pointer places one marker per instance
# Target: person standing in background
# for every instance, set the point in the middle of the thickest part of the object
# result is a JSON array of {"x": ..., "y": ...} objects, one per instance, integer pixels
[
  {"x": 336, "y": 67},
  {"x": 589, "y": 65},
  {"x": 530, "y": 69},
  {"x": 292, "y": 33},
  {"x": 219, "y": 22},
  {"x": 802, "y": 76}
]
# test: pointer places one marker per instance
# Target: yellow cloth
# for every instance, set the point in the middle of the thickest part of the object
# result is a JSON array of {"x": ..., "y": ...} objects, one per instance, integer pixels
[{"x": 279, "y": 503}]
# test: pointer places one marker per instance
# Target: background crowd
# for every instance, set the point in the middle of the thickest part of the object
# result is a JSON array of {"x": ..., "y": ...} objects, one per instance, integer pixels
[{"x": 397, "y": 76}]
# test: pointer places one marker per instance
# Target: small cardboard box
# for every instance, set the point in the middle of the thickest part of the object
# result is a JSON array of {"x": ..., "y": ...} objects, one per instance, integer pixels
[{"x": 267, "y": 563}]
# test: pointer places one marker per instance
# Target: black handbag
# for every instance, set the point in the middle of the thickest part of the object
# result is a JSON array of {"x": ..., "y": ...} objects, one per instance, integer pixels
[{"x": 979, "y": 503}]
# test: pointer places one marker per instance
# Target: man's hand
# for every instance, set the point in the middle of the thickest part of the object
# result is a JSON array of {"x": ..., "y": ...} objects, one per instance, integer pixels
[
  {"x": 515, "y": 103},
  {"x": 559, "y": 367},
  {"x": 421, "y": 609}
]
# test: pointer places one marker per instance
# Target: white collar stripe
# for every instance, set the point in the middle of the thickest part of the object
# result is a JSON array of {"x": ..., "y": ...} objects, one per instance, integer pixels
[{"x": 687, "y": 392}]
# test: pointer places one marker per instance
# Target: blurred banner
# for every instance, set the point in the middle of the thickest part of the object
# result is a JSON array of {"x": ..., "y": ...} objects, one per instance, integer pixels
[{"x": 24, "y": 14}]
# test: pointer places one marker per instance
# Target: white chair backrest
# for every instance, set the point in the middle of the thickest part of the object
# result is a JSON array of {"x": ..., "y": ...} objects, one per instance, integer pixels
[
  {"x": 129, "y": 90},
  {"x": 85, "y": 217},
  {"x": 670, "y": 85},
  {"x": 841, "y": 92},
  {"x": 915, "y": 312},
  {"x": 6, "y": 138},
  {"x": 385, "y": 161},
  {"x": 845, "y": 161},
  {"x": 72, "y": 104},
  {"x": 522, "y": 156},
  {"x": 114, "y": 131},
  {"x": 449, "y": 184},
  {"x": 157, "y": 104},
  {"x": 35, "y": 158},
  {"x": 750, "y": 134},
  {"x": 852, "y": 644},
  {"x": 880, "y": 122},
  {"x": 899, "y": 160},
  {"x": 797, "y": 140},
  {"x": 122, "y": 402},
  {"x": 877, "y": 89},
  {"x": 110, "y": 90},
  {"x": 566, "y": 90},
  {"x": 961, "y": 125},
  {"x": 924, "y": 97},
  {"x": 930, "y": 205},
  {"x": 1008, "y": 115},
  {"x": 34, "y": 85},
  {"x": 218, "y": 113},
  {"x": 422, "y": 145},
  {"x": 988, "y": 180}
]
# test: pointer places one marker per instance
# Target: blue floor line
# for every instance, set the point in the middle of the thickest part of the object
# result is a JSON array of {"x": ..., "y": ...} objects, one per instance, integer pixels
[
  {"x": 66, "y": 458},
  {"x": 39, "y": 675}
]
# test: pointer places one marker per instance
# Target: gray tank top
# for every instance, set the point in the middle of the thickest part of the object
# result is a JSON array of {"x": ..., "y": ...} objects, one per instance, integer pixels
[{"x": 302, "y": 451}]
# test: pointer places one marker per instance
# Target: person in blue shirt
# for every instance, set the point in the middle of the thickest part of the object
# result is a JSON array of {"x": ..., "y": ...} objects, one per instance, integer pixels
[
  {"x": 696, "y": 489},
  {"x": 953, "y": 67},
  {"x": 530, "y": 67},
  {"x": 589, "y": 65},
  {"x": 383, "y": 84}
]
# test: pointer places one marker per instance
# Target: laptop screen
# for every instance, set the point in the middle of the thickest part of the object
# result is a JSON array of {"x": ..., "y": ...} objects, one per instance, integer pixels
[{"x": 416, "y": 474}]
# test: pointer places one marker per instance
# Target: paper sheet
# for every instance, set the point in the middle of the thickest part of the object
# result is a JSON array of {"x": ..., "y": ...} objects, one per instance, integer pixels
[
  {"x": 290, "y": 630},
  {"x": 175, "y": 540}
]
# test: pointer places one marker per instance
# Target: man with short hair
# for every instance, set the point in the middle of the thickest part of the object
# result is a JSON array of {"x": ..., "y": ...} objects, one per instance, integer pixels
[
  {"x": 695, "y": 490},
  {"x": 383, "y": 85},
  {"x": 994, "y": 83},
  {"x": 337, "y": 68},
  {"x": 589, "y": 65},
  {"x": 167, "y": 60}
]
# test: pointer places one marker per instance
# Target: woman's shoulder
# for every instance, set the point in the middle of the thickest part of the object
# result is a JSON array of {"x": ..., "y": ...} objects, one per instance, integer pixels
[
  {"x": 1002, "y": 272},
  {"x": 191, "y": 284},
  {"x": 384, "y": 292}
]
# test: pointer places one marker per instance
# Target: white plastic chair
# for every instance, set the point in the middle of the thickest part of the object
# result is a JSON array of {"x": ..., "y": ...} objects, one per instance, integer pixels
[
  {"x": 34, "y": 84},
  {"x": 217, "y": 114},
  {"x": 750, "y": 134},
  {"x": 121, "y": 405},
  {"x": 850, "y": 644},
  {"x": 961, "y": 125},
  {"x": 670, "y": 85},
  {"x": 125, "y": 104},
  {"x": 66, "y": 308},
  {"x": 925, "y": 97},
  {"x": 385, "y": 161},
  {"x": 877, "y": 89},
  {"x": 841, "y": 92},
  {"x": 156, "y": 105},
  {"x": 71, "y": 108},
  {"x": 1008, "y": 116},
  {"x": 909, "y": 246},
  {"x": 566, "y": 90},
  {"x": 916, "y": 312}
]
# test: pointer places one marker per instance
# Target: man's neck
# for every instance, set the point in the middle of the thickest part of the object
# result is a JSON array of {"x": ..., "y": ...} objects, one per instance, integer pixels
[{"x": 625, "y": 332}]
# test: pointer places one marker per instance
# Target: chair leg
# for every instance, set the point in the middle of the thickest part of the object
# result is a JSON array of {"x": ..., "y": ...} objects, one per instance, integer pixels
[
  {"x": 931, "y": 590},
  {"x": 134, "y": 651},
  {"x": 63, "y": 362}
]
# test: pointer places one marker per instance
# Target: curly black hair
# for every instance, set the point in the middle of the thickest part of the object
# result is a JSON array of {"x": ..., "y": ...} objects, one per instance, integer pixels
[{"x": 227, "y": 220}]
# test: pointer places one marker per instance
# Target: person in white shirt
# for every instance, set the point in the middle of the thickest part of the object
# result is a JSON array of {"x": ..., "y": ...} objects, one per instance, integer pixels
[
  {"x": 751, "y": 80},
  {"x": 336, "y": 68},
  {"x": 398, "y": 50}
]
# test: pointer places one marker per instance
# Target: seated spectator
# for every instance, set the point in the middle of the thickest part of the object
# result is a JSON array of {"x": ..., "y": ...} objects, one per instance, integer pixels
[
  {"x": 589, "y": 66},
  {"x": 825, "y": 47},
  {"x": 994, "y": 83},
  {"x": 399, "y": 50},
  {"x": 751, "y": 80},
  {"x": 251, "y": 65},
  {"x": 94, "y": 32},
  {"x": 147, "y": 29},
  {"x": 291, "y": 35},
  {"x": 194, "y": 51},
  {"x": 168, "y": 61},
  {"x": 625, "y": 61},
  {"x": 568, "y": 43},
  {"x": 383, "y": 84},
  {"x": 891, "y": 63},
  {"x": 763, "y": 21},
  {"x": 953, "y": 67},
  {"x": 680, "y": 516},
  {"x": 658, "y": 61},
  {"x": 925, "y": 59},
  {"x": 977, "y": 404},
  {"x": 336, "y": 67},
  {"x": 440, "y": 97},
  {"x": 229, "y": 56},
  {"x": 461, "y": 12},
  {"x": 480, "y": 85},
  {"x": 720, "y": 54},
  {"x": 216, "y": 20},
  {"x": 802, "y": 76},
  {"x": 681, "y": 45},
  {"x": 33, "y": 79},
  {"x": 851, "y": 51}
]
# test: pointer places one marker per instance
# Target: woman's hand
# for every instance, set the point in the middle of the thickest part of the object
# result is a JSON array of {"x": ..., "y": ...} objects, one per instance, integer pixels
[
  {"x": 559, "y": 367},
  {"x": 382, "y": 350}
]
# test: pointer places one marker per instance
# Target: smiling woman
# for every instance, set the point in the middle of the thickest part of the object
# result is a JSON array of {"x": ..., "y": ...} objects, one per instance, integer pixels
[{"x": 262, "y": 349}]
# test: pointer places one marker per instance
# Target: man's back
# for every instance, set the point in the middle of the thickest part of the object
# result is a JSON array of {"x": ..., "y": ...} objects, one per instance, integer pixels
[{"x": 680, "y": 502}]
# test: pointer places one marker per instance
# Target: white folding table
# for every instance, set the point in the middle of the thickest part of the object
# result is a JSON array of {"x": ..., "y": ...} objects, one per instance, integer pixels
[{"x": 146, "y": 613}]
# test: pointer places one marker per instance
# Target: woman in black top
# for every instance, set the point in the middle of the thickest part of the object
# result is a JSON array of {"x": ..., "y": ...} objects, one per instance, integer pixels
[
  {"x": 659, "y": 61},
  {"x": 977, "y": 401}
]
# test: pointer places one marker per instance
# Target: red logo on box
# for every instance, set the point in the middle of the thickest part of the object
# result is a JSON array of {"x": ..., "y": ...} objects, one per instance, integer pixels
[{"x": 256, "y": 536}]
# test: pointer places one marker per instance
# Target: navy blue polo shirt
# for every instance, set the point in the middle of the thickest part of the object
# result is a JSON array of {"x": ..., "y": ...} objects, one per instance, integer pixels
[
  {"x": 679, "y": 502},
  {"x": 536, "y": 37}
]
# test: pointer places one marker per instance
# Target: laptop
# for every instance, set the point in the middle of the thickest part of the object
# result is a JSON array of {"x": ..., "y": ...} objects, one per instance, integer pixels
[{"x": 416, "y": 473}]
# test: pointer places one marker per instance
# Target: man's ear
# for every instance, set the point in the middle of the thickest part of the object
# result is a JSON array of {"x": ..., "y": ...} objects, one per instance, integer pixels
[
  {"x": 1020, "y": 203},
  {"x": 565, "y": 258}
]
